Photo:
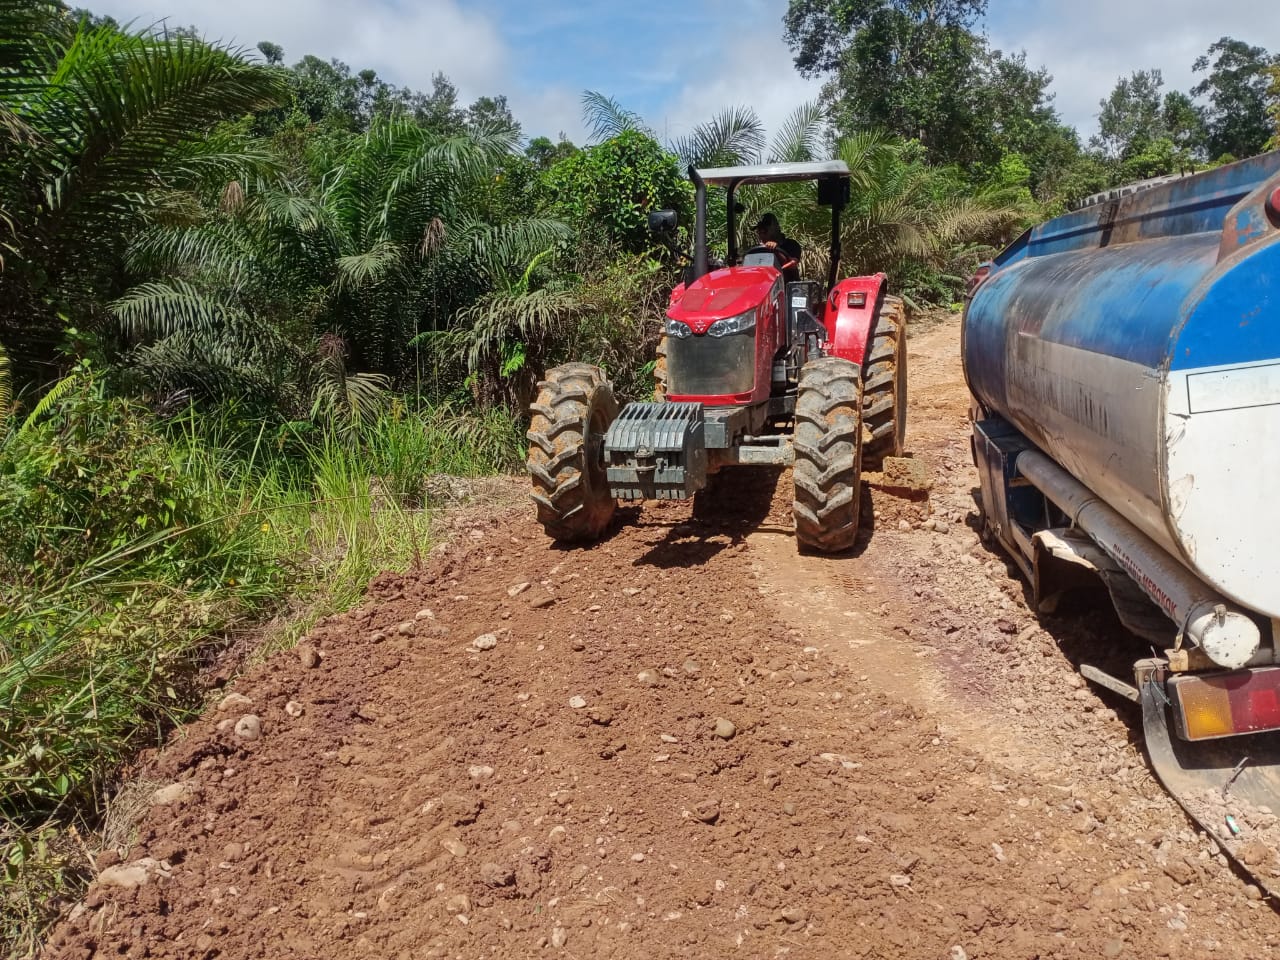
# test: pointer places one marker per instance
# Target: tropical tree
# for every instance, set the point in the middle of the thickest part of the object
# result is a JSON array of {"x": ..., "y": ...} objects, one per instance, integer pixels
[
  {"x": 1236, "y": 85},
  {"x": 321, "y": 289},
  {"x": 100, "y": 127}
]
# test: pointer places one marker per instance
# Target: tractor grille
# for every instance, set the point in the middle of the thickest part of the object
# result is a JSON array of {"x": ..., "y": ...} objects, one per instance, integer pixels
[{"x": 703, "y": 366}]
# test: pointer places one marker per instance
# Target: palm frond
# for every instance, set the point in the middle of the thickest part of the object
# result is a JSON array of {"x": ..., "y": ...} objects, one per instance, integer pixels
[
  {"x": 733, "y": 136},
  {"x": 606, "y": 118},
  {"x": 163, "y": 308},
  {"x": 47, "y": 402},
  {"x": 801, "y": 136},
  {"x": 369, "y": 267},
  {"x": 6, "y": 385}
]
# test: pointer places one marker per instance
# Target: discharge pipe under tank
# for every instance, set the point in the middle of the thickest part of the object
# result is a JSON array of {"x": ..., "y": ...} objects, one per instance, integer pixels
[{"x": 1227, "y": 636}]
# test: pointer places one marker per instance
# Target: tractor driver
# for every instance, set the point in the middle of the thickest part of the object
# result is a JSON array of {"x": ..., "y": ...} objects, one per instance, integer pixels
[{"x": 769, "y": 234}]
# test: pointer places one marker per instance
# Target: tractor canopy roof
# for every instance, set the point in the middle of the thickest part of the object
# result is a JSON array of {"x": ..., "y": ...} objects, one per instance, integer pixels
[{"x": 775, "y": 173}]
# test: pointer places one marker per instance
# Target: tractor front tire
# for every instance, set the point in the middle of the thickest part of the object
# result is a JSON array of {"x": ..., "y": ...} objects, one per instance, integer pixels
[
  {"x": 828, "y": 455},
  {"x": 884, "y": 385},
  {"x": 570, "y": 417}
]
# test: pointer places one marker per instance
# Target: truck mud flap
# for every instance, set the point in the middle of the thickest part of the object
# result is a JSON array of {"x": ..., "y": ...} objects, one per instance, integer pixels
[{"x": 1219, "y": 779}]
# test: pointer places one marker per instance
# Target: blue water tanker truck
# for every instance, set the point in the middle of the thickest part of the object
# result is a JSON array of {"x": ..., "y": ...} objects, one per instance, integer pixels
[{"x": 1124, "y": 366}]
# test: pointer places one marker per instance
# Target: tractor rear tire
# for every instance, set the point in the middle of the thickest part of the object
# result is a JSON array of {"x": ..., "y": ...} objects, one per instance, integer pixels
[
  {"x": 570, "y": 417},
  {"x": 660, "y": 370},
  {"x": 828, "y": 454},
  {"x": 884, "y": 385}
]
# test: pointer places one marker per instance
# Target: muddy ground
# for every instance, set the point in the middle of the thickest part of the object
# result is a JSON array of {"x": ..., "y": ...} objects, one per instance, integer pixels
[{"x": 685, "y": 741}]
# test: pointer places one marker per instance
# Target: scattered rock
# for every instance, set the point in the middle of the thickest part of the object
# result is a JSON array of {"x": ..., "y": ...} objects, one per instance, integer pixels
[
  {"x": 232, "y": 852},
  {"x": 454, "y": 846},
  {"x": 542, "y": 600},
  {"x": 904, "y": 526},
  {"x": 486, "y": 641},
  {"x": 479, "y": 772},
  {"x": 248, "y": 727},
  {"x": 308, "y": 656},
  {"x": 957, "y": 953},
  {"x": 1179, "y": 871},
  {"x": 725, "y": 729},
  {"x": 407, "y": 629},
  {"x": 518, "y": 588},
  {"x": 293, "y": 708},
  {"x": 130, "y": 876},
  {"x": 559, "y": 937},
  {"x": 650, "y": 678},
  {"x": 234, "y": 701},
  {"x": 1254, "y": 853},
  {"x": 458, "y": 903},
  {"x": 460, "y": 810},
  {"x": 173, "y": 793},
  {"x": 577, "y": 703},
  {"x": 496, "y": 875},
  {"x": 708, "y": 811},
  {"x": 900, "y": 880},
  {"x": 794, "y": 914},
  {"x": 424, "y": 614}
]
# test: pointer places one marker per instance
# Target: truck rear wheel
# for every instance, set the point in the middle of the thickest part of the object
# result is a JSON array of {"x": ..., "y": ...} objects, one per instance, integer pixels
[
  {"x": 884, "y": 385},
  {"x": 571, "y": 415},
  {"x": 828, "y": 453}
]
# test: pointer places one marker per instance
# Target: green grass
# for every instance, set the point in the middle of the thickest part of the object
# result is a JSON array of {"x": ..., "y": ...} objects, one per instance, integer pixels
[{"x": 136, "y": 549}]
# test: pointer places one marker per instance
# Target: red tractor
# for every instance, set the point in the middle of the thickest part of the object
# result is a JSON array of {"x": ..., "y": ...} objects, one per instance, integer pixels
[{"x": 751, "y": 371}]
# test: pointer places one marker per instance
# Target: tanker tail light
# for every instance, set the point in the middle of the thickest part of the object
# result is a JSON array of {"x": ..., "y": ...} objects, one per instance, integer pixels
[
  {"x": 1226, "y": 704},
  {"x": 1273, "y": 207}
]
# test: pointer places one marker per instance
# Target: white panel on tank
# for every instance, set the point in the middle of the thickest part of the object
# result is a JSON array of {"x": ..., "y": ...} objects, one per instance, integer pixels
[{"x": 1222, "y": 466}]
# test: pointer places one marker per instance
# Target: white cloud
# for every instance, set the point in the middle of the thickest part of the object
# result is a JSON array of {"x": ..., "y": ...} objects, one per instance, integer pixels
[
  {"x": 1088, "y": 44},
  {"x": 406, "y": 43},
  {"x": 755, "y": 70}
]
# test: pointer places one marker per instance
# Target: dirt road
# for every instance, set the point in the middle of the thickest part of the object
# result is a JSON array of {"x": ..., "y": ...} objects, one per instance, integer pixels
[{"x": 686, "y": 741}]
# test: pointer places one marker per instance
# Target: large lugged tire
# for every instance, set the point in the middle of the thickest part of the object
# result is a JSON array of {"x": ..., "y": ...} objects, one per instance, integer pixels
[
  {"x": 828, "y": 449},
  {"x": 660, "y": 370},
  {"x": 884, "y": 385},
  {"x": 571, "y": 415}
]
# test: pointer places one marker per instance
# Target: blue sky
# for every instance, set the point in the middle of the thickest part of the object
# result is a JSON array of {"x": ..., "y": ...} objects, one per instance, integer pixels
[{"x": 677, "y": 62}]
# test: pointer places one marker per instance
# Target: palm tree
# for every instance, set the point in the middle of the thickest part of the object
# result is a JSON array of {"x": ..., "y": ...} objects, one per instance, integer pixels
[
  {"x": 300, "y": 284},
  {"x": 98, "y": 126}
]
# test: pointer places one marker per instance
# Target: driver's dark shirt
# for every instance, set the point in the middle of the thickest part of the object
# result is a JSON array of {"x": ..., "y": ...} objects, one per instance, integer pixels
[{"x": 792, "y": 249}]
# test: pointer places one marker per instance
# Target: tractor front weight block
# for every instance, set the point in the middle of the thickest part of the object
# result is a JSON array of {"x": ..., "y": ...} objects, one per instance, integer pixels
[{"x": 656, "y": 451}]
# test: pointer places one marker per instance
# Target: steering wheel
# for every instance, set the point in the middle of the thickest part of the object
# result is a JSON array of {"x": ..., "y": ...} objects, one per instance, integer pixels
[{"x": 778, "y": 255}]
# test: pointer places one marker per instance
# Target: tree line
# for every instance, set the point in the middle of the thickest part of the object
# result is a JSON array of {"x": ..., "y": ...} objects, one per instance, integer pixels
[{"x": 922, "y": 70}]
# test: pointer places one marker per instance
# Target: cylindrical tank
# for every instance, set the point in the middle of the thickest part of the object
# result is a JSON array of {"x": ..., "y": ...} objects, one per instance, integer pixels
[{"x": 1137, "y": 343}]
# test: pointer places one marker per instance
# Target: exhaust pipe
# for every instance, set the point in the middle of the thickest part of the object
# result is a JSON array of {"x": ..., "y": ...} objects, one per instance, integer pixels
[{"x": 1228, "y": 637}]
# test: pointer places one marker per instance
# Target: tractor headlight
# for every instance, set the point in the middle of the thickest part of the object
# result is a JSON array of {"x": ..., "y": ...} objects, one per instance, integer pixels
[
  {"x": 743, "y": 323},
  {"x": 677, "y": 329}
]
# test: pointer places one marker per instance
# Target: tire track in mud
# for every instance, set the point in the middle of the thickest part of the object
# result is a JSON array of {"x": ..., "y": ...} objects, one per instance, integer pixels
[{"x": 684, "y": 741}]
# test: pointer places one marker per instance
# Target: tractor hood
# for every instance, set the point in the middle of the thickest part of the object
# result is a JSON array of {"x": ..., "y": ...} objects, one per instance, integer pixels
[{"x": 721, "y": 294}]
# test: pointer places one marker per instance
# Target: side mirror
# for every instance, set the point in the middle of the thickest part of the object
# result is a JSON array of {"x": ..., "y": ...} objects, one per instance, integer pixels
[
  {"x": 834, "y": 193},
  {"x": 662, "y": 221}
]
